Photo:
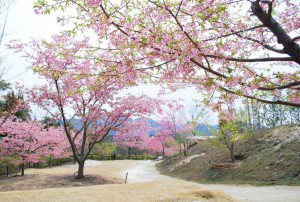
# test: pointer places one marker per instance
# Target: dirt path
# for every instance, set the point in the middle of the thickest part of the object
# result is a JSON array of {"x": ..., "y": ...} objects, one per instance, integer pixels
[
  {"x": 145, "y": 171},
  {"x": 260, "y": 194}
]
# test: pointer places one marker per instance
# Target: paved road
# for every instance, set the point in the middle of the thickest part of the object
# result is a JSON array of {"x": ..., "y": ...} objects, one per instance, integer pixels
[{"x": 144, "y": 171}]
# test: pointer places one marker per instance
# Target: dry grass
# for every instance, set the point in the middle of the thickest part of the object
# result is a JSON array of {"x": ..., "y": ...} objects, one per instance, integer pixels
[
  {"x": 108, "y": 168},
  {"x": 96, "y": 173},
  {"x": 163, "y": 190},
  {"x": 265, "y": 157},
  {"x": 150, "y": 191}
]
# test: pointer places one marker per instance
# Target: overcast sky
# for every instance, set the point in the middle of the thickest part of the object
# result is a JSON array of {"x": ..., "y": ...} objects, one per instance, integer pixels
[{"x": 24, "y": 24}]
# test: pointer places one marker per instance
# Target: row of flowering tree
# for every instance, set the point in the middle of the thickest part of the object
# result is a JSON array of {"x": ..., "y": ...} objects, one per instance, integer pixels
[
  {"x": 134, "y": 134},
  {"x": 141, "y": 135},
  {"x": 137, "y": 135},
  {"x": 182, "y": 42},
  {"x": 29, "y": 141},
  {"x": 79, "y": 88},
  {"x": 171, "y": 134}
]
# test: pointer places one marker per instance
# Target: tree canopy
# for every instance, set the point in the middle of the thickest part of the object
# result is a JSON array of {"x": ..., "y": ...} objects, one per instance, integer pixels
[{"x": 238, "y": 48}]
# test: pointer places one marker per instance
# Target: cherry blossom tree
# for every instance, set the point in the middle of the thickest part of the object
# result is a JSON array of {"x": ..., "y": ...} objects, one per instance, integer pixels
[
  {"x": 160, "y": 143},
  {"x": 178, "y": 130},
  {"x": 13, "y": 112},
  {"x": 172, "y": 124},
  {"x": 247, "y": 48},
  {"x": 85, "y": 95},
  {"x": 133, "y": 134},
  {"x": 30, "y": 141}
]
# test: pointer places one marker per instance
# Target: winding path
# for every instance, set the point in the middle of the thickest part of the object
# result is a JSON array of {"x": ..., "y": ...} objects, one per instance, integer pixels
[{"x": 144, "y": 171}]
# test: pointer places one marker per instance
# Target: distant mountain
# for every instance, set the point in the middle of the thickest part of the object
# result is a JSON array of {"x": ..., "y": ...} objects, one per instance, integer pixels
[
  {"x": 153, "y": 123},
  {"x": 204, "y": 129}
]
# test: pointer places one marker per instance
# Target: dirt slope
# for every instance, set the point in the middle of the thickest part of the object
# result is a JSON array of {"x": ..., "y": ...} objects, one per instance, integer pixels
[{"x": 266, "y": 157}]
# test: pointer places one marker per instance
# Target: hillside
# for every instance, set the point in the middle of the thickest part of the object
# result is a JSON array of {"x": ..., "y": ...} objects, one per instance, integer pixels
[{"x": 266, "y": 157}]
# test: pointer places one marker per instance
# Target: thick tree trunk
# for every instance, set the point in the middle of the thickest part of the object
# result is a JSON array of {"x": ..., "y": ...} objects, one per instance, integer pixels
[{"x": 80, "y": 170}]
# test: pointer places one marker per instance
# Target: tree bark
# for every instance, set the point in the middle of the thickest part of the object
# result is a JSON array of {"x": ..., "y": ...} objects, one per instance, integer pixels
[
  {"x": 22, "y": 169},
  {"x": 80, "y": 170},
  {"x": 290, "y": 47},
  {"x": 129, "y": 152},
  {"x": 184, "y": 149},
  {"x": 232, "y": 153}
]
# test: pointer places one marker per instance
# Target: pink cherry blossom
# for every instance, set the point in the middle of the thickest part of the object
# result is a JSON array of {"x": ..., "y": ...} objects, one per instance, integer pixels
[{"x": 93, "y": 3}]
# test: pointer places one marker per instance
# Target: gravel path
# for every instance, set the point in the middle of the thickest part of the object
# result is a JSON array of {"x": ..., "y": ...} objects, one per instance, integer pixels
[
  {"x": 144, "y": 171},
  {"x": 260, "y": 194}
]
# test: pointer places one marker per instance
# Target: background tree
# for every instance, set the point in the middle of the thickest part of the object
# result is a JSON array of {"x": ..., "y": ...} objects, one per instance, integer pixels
[
  {"x": 30, "y": 141},
  {"x": 49, "y": 122},
  {"x": 178, "y": 127},
  {"x": 198, "y": 117},
  {"x": 10, "y": 103},
  {"x": 161, "y": 144},
  {"x": 133, "y": 134},
  {"x": 105, "y": 148},
  {"x": 294, "y": 115},
  {"x": 228, "y": 134},
  {"x": 269, "y": 116},
  {"x": 180, "y": 132},
  {"x": 4, "y": 7}
]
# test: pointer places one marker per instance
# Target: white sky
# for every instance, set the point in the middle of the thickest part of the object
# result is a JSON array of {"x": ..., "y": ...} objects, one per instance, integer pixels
[{"x": 24, "y": 24}]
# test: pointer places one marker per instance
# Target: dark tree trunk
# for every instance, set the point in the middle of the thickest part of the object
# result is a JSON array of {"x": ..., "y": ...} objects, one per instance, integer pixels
[
  {"x": 129, "y": 152},
  {"x": 290, "y": 47},
  {"x": 184, "y": 149},
  {"x": 49, "y": 162},
  {"x": 80, "y": 170},
  {"x": 22, "y": 168},
  {"x": 232, "y": 153}
]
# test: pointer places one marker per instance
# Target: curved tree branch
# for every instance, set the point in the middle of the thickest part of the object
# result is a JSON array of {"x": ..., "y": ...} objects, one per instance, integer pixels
[
  {"x": 290, "y": 47},
  {"x": 280, "y": 102}
]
